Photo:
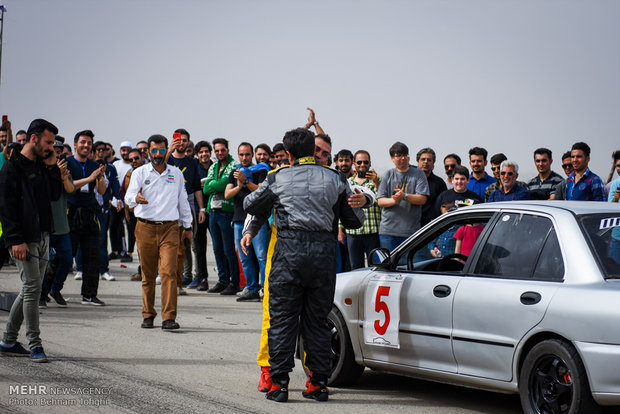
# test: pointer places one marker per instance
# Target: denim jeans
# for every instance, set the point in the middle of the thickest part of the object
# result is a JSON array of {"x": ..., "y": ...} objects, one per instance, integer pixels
[
  {"x": 247, "y": 261},
  {"x": 360, "y": 246},
  {"x": 54, "y": 280},
  {"x": 220, "y": 226},
  {"x": 390, "y": 242},
  {"x": 26, "y": 305},
  {"x": 261, "y": 245}
]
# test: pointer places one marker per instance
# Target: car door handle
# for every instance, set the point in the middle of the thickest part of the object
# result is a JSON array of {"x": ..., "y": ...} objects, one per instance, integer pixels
[
  {"x": 530, "y": 298},
  {"x": 441, "y": 291}
]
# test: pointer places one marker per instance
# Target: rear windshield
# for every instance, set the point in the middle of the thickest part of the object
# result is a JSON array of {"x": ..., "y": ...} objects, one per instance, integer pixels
[{"x": 603, "y": 231}]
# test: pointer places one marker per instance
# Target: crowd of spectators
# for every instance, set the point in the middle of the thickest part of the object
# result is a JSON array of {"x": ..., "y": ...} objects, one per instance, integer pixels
[{"x": 95, "y": 206}]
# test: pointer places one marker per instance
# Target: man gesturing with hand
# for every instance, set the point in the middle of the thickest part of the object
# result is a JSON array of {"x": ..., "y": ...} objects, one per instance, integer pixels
[{"x": 157, "y": 194}]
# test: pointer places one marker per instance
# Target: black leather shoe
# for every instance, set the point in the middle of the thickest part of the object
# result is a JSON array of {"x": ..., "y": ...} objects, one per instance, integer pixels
[
  {"x": 169, "y": 324},
  {"x": 217, "y": 288},
  {"x": 203, "y": 285},
  {"x": 230, "y": 290},
  {"x": 147, "y": 323}
]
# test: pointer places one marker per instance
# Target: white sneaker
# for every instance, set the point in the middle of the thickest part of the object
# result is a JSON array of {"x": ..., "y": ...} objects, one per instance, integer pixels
[
  {"x": 243, "y": 292},
  {"x": 158, "y": 280},
  {"x": 78, "y": 276},
  {"x": 261, "y": 293},
  {"x": 107, "y": 276}
]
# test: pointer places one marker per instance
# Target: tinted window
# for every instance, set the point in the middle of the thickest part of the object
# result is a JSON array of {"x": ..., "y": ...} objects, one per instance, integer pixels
[
  {"x": 513, "y": 246},
  {"x": 550, "y": 265},
  {"x": 603, "y": 235}
]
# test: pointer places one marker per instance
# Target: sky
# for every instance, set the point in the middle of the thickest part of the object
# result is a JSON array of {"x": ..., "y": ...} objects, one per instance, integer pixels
[{"x": 507, "y": 75}]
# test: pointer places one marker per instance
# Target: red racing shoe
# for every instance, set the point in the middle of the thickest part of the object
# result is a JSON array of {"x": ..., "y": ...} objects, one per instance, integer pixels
[
  {"x": 316, "y": 392},
  {"x": 278, "y": 392},
  {"x": 265, "y": 382}
]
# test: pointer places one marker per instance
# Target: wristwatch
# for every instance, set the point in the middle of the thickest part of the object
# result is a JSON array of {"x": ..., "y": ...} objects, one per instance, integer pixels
[
  {"x": 203, "y": 210},
  {"x": 187, "y": 228},
  {"x": 406, "y": 195}
]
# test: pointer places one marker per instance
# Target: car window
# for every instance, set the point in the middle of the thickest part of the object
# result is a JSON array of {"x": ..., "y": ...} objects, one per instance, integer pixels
[
  {"x": 514, "y": 245},
  {"x": 550, "y": 265},
  {"x": 603, "y": 236},
  {"x": 446, "y": 246}
]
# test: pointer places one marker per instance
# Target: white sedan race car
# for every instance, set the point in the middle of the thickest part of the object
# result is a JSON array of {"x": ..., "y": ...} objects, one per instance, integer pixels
[{"x": 518, "y": 297}]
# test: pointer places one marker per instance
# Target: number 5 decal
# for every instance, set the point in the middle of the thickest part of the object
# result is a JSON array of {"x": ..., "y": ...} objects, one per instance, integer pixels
[
  {"x": 382, "y": 310},
  {"x": 381, "y": 306}
]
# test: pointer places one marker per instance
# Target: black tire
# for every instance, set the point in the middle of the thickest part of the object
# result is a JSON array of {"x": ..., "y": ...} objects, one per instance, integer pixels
[
  {"x": 345, "y": 371},
  {"x": 553, "y": 379}
]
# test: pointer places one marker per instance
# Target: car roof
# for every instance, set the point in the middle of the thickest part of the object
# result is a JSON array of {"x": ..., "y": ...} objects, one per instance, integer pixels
[{"x": 548, "y": 206}]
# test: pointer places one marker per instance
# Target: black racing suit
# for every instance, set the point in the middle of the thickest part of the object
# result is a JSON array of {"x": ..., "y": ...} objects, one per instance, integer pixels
[{"x": 307, "y": 202}]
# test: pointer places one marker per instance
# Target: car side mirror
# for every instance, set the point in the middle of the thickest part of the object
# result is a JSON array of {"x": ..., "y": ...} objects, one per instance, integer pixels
[{"x": 379, "y": 257}]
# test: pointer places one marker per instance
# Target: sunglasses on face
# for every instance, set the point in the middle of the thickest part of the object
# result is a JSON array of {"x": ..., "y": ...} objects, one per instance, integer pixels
[
  {"x": 449, "y": 166},
  {"x": 154, "y": 151},
  {"x": 101, "y": 149},
  {"x": 508, "y": 173},
  {"x": 134, "y": 159},
  {"x": 362, "y": 162},
  {"x": 494, "y": 168},
  {"x": 565, "y": 166}
]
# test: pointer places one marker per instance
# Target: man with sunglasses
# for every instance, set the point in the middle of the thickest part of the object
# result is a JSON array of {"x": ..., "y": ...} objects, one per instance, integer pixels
[
  {"x": 510, "y": 191},
  {"x": 546, "y": 181},
  {"x": 157, "y": 194},
  {"x": 559, "y": 193},
  {"x": 450, "y": 162},
  {"x": 136, "y": 159},
  {"x": 363, "y": 240},
  {"x": 496, "y": 162}
]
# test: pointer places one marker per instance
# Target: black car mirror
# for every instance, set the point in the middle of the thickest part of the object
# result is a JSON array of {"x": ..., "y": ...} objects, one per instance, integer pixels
[{"x": 378, "y": 257}]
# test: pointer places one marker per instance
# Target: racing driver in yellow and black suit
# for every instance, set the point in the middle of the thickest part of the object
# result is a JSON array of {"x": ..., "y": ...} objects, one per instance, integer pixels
[{"x": 307, "y": 202}]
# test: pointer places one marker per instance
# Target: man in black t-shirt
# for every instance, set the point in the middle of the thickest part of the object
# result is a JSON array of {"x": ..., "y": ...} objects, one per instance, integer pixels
[
  {"x": 189, "y": 167},
  {"x": 460, "y": 195},
  {"x": 241, "y": 183}
]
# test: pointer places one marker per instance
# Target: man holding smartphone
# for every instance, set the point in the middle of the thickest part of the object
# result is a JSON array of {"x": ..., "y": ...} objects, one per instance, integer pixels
[{"x": 363, "y": 240}]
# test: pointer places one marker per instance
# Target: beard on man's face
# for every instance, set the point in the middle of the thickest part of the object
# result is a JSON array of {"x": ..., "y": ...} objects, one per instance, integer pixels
[{"x": 157, "y": 160}]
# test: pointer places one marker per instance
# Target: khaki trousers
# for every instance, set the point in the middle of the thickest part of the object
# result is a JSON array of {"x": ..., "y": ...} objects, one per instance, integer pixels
[{"x": 158, "y": 246}]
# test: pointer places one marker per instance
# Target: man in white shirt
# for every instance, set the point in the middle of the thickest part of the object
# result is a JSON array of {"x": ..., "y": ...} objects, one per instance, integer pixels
[{"x": 157, "y": 194}]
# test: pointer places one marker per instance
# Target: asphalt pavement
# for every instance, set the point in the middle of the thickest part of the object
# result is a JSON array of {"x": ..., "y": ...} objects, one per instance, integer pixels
[{"x": 102, "y": 361}]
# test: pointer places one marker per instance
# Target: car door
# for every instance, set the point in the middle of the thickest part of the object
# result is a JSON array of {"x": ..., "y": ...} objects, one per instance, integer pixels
[
  {"x": 423, "y": 317},
  {"x": 516, "y": 272}
]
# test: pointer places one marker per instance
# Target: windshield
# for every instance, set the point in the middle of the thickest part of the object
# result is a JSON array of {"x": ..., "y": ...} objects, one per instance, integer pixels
[{"x": 603, "y": 231}]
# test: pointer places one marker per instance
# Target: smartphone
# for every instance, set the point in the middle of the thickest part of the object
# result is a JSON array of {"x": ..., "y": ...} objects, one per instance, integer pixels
[
  {"x": 361, "y": 174},
  {"x": 62, "y": 157},
  {"x": 176, "y": 136}
]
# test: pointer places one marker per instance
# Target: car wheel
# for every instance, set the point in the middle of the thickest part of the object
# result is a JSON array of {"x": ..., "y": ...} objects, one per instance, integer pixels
[
  {"x": 553, "y": 380},
  {"x": 345, "y": 371}
]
